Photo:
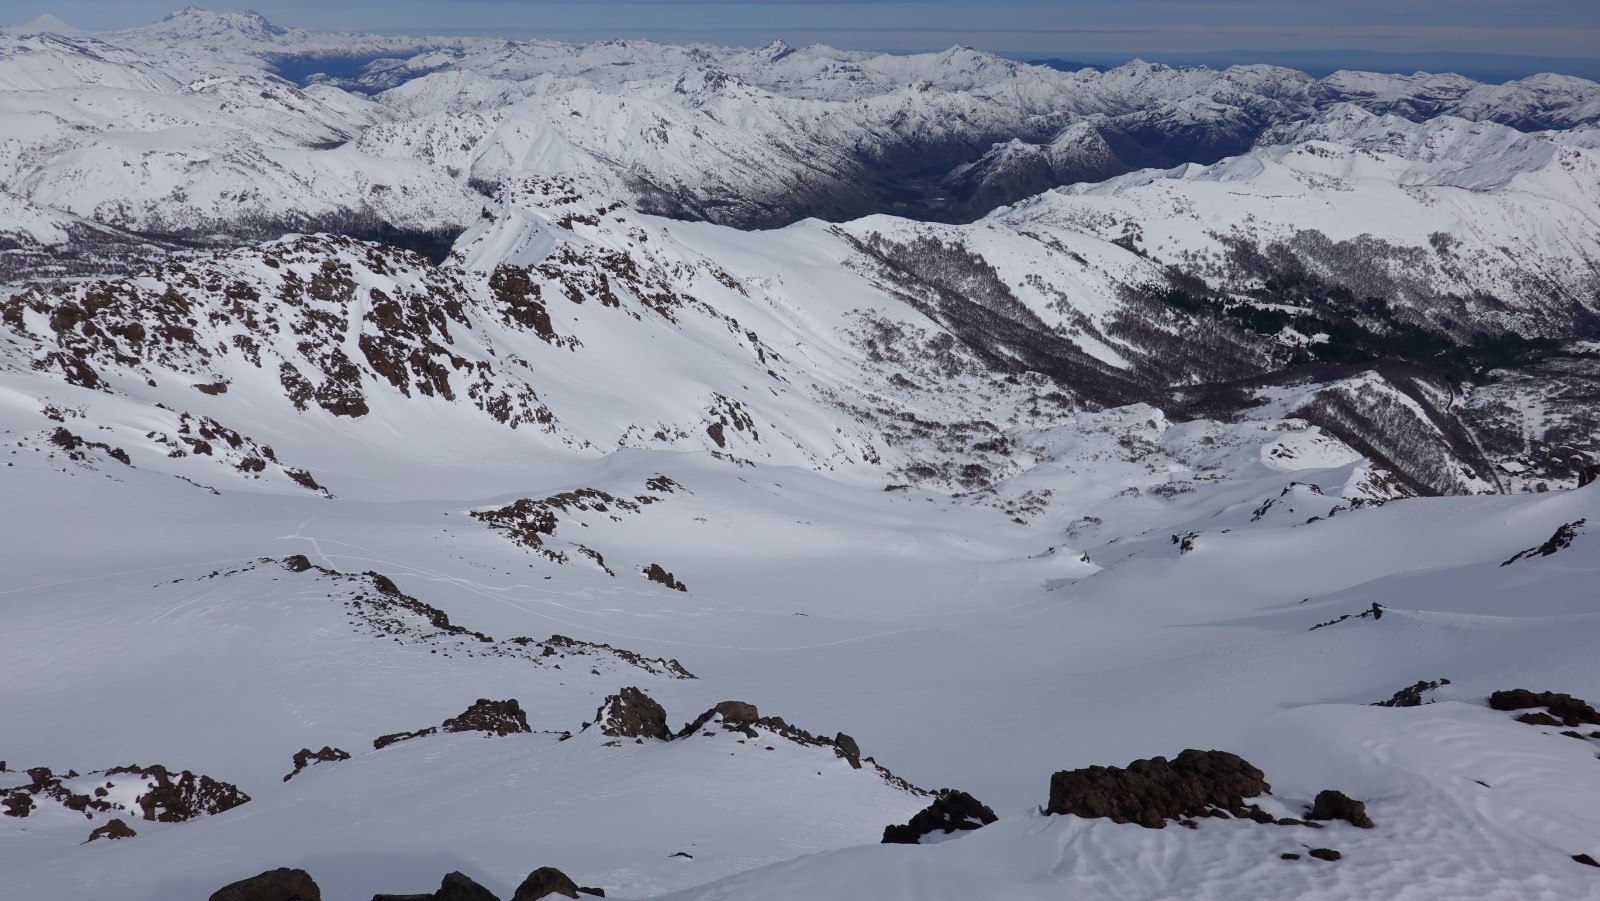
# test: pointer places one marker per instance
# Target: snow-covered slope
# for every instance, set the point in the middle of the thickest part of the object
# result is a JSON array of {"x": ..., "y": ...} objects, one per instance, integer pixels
[
  {"x": 744, "y": 136},
  {"x": 687, "y": 558}
]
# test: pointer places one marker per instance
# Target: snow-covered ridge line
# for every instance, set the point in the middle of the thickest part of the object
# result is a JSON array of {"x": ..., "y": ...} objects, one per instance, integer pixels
[{"x": 135, "y": 129}]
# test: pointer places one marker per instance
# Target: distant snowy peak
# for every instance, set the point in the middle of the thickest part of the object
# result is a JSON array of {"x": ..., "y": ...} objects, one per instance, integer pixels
[
  {"x": 195, "y": 22},
  {"x": 1535, "y": 103},
  {"x": 46, "y": 24}
]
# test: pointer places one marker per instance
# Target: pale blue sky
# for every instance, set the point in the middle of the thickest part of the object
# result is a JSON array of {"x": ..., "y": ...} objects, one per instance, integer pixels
[{"x": 1065, "y": 28}]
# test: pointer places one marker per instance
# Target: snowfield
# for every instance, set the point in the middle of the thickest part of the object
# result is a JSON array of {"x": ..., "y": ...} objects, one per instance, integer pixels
[{"x": 326, "y": 554}]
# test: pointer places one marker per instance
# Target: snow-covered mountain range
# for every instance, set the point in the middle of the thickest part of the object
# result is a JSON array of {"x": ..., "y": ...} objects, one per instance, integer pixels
[{"x": 482, "y": 412}]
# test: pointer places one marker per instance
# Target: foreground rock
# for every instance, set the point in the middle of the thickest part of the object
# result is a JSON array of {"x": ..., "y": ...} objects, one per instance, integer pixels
[
  {"x": 282, "y": 884},
  {"x": 456, "y": 886},
  {"x": 950, "y": 811},
  {"x": 631, "y": 713},
  {"x": 1336, "y": 805},
  {"x": 1150, "y": 792},
  {"x": 1570, "y": 711},
  {"x": 547, "y": 881}
]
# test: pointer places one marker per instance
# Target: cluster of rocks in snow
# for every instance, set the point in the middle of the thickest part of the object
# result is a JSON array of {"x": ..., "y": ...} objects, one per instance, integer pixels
[
  {"x": 378, "y": 606},
  {"x": 285, "y": 884},
  {"x": 159, "y": 795}
]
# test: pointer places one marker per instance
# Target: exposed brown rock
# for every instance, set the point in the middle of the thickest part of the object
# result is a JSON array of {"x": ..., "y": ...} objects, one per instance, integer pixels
[
  {"x": 846, "y": 747},
  {"x": 732, "y": 712},
  {"x": 950, "y": 811},
  {"x": 500, "y": 717},
  {"x": 1336, "y": 805},
  {"x": 1150, "y": 792},
  {"x": 1411, "y": 696},
  {"x": 456, "y": 886},
  {"x": 113, "y": 829},
  {"x": 305, "y": 757},
  {"x": 631, "y": 713},
  {"x": 183, "y": 797},
  {"x": 282, "y": 884},
  {"x": 1569, "y": 710},
  {"x": 655, "y": 572},
  {"x": 547, "y": 881}
]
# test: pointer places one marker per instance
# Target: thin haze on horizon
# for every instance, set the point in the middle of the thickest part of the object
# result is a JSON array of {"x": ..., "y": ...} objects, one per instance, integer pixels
[{"x": 1465, "y": 33}]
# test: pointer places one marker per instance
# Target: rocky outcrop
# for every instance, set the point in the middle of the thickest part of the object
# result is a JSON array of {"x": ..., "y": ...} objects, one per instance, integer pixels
[
  {"x": 846, "y": 747},
  {"x": 733, "y": 713},
  {"x": 1560, "y": 541},
  {"x": 113, "y": 829},
  {"x": 456, "y": 886},
  {"x": 184, "y": 797},
  {"x": 655, "y": 572},
  {"x": 497, "y": 717},
  {"x": 631, "y": 713},
  {"x": 1336, "y": 805},
  {"x": 500, "y": 717},
  {"x": 950, "y": 811},
  {"x": 1412, "y": 695},
  {"x": 547, "y": 881},
  {"x": 1565, "y": 708},
  {"x": 378, "y": 607},
  {"x": 164, "y": 797},
  {"x": 306, "y": 757},
  {"x": 282, "y": 884},
  {"x": 1151, "y": 792}
]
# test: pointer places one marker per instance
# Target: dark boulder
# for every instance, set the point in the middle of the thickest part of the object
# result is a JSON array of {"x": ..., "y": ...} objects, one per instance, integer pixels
[
  {"x": 846, "y": 747},
  {"x": 1586, "y": 860},
  {"x": 113, "y": 829},
  {"x": 543, "y": 882},
  {"x": 631, "y": 713},
  {"x": 1569, "y": 710},
  {"x": 1325, "y": 854},
  {"x": 455, "y": 887},
  {"x": 950, "y": 811},
  {"x": 459, "y": 886},
  {"x": 282, "y": 884},
  {"x": 1150, "y": 792},
  {"x": 1336, "y": 805},
  {"x": 655, "y": 572}
]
